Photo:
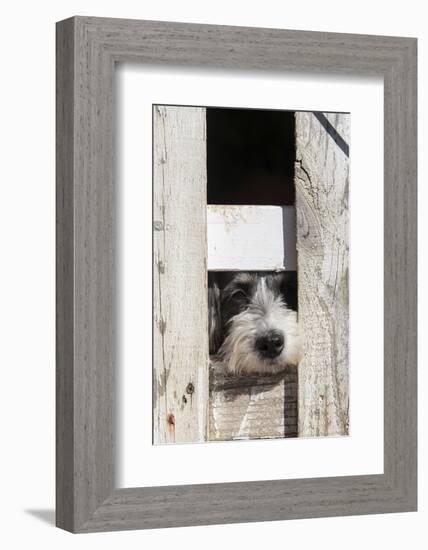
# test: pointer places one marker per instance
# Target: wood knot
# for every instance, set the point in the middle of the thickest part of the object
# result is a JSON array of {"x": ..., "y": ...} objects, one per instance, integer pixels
[
  {"x": 190, "y": 388},
  {"x": 171, "y": 420},
  {"x": 162, "y": 326},
  {"x": 161, "y": 267}
]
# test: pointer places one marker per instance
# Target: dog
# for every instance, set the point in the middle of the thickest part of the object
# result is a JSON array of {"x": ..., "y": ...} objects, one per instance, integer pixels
[{"x": 252, "y": 321}]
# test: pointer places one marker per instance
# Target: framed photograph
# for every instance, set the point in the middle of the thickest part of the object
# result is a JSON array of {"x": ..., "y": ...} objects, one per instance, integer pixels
[{"x": 236, "y": 274}]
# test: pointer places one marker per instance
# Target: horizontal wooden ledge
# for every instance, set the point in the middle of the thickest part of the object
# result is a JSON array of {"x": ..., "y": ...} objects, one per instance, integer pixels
[
  {"x": 250, "y": 237},
  {"x": 252, "y": 406}
]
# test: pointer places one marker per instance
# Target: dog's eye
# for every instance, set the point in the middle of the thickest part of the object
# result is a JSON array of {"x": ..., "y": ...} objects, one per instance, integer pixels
[{"x": 238, "y": 295}]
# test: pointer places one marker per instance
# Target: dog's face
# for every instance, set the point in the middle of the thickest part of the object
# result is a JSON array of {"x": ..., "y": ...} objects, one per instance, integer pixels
[{"x": 253, "y": 322}]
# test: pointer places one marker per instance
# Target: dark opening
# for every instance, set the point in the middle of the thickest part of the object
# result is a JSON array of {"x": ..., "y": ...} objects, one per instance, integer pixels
[{"x": 250, "y": 156}]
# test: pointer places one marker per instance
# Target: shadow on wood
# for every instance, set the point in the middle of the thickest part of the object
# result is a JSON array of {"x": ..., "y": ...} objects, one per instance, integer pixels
[{"x": 252, "y": 406}]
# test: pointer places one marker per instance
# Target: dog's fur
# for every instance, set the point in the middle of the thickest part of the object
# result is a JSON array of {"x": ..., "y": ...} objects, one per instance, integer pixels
[{"x": 253, "y": 321}]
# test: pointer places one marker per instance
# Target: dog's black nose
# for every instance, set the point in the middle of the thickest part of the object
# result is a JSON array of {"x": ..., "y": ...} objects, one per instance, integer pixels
[{"x": 270, "y": 344}]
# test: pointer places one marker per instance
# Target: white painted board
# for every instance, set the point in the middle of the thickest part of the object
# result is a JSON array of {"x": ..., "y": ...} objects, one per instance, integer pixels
[{"x": 246, "y": 238}]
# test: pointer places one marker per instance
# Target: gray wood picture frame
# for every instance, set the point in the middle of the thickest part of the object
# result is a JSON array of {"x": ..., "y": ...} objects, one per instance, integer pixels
[{"x": 87, "y": 50}]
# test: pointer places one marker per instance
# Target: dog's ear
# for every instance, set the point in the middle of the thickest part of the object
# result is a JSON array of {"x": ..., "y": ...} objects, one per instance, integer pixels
[
  {"x": 289, "y": 288},
  {"x": 214, "y": 314}
]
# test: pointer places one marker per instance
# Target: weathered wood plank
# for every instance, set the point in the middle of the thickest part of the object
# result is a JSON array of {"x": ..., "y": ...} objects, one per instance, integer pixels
[
  {"x": 321, "y": 177},
  {"x": 251, "y": 237},
  {"x": 180, "y": 388},
  {"x": 251, "y": 406}
]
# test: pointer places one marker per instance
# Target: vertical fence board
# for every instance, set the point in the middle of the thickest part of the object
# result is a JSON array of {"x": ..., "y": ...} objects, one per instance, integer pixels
[
  {"x": 321, "y": 178},
  {"x": 180, "y": 334}
]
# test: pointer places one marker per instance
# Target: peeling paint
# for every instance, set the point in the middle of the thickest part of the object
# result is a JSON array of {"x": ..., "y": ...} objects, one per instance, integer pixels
[{"x": 231, "y": 216}]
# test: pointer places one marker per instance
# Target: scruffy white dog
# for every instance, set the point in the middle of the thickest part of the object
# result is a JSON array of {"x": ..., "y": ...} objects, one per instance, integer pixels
[{"x": 253, "y": 324}]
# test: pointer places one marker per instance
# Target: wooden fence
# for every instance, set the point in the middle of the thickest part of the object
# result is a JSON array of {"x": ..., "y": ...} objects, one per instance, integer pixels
[{"x": 190, "y": 404}]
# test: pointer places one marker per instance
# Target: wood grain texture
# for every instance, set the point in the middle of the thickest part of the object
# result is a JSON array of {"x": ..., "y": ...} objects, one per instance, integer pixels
[
  {"x": 252, "y": 407},
  {"x": 245, "y": 237},
  {"x": 180, "y": 336},
  {"x": 322, "y": 182},
  {"x": 87, "y": 50},
  {"x": 85, "y": 265},
  {"x": 64, "y": 277}
]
